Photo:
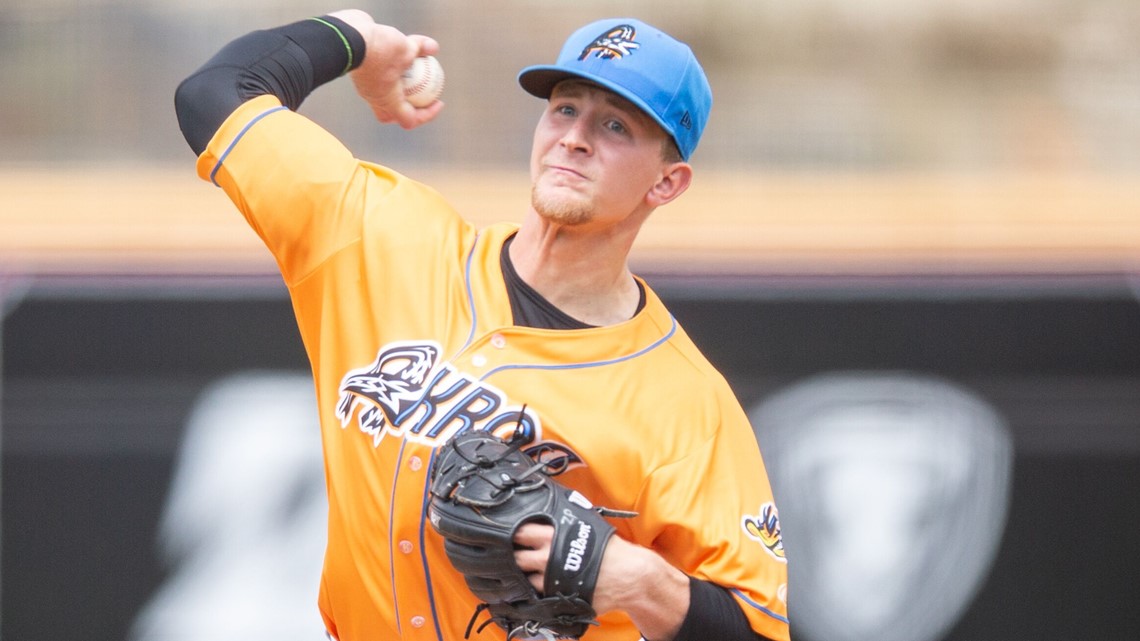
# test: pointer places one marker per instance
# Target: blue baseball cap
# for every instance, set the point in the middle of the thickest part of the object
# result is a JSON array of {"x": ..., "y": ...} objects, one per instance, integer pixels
[{"x": 640, "y": 63}]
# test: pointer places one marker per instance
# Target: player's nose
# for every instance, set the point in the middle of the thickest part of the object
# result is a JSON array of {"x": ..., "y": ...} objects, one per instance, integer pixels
[{"x": 576, "y": 136}]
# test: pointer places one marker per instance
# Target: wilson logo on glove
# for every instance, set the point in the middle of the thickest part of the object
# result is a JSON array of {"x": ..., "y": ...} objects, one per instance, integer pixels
[{"x": 578, "y": 548}]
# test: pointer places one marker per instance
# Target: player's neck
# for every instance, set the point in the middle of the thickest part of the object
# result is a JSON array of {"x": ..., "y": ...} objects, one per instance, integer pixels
[{"x": 583, "y": 275}]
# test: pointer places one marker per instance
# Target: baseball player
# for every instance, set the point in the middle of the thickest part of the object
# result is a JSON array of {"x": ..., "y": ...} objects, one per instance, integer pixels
[{"x": 420, "y": 327}]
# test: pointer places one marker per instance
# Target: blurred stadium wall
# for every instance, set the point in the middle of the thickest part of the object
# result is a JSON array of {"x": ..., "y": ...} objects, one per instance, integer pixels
[{"x": 914, "y": 222}]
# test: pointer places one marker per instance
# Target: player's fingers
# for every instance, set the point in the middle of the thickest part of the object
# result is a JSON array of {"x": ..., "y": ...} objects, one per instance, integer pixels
[
  {"x": 410, "y": 117},
  {"x": 423, "y": 45},
  {"x": 421, "y": 115},
  {"x": 538, "y": 581},
  {"x": 535, "y": 536},
  {"x": 532, "y": 561},
  {"x": 533, "y": 564}
]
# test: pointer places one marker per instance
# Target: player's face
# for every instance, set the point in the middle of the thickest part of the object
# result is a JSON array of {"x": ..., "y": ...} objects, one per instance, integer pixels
[{"x": 595, "y": 156}]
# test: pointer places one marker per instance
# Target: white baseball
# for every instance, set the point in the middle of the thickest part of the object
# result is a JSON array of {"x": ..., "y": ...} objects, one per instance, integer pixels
[{"x": 423, "y": 81}]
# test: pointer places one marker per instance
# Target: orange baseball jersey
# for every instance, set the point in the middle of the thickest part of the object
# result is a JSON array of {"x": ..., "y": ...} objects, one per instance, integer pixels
[{"x": 404, "y": 314}]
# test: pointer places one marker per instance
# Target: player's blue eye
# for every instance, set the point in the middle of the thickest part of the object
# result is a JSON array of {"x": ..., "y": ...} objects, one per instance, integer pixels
[{"x": 616, "y": 127}]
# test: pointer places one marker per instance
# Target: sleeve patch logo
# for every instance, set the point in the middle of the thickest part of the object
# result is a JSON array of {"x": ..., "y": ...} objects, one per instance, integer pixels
[{"x": 765, "y": 528}]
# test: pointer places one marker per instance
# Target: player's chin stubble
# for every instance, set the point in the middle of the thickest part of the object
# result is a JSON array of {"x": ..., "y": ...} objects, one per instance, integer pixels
[{"x": 563, "y": 211}]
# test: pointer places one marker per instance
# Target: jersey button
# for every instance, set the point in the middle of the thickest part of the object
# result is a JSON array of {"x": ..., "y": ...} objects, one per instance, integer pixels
[
  {"x": 499, "y": 341},
  {"x": 415, "y": 463},
  {"x": 478, "y": 360},
  {"x": 406, "y": 546},
  {"x": 418, "y": 621}
]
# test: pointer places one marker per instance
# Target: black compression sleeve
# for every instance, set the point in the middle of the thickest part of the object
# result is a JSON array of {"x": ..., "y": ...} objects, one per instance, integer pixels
[
  {"x": 288, "y": 62},
  {"x": 714, "y": 614}
]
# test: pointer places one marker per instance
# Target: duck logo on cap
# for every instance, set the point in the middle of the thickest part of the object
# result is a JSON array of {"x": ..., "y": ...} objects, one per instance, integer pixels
[{"x": 615, "y": 43}]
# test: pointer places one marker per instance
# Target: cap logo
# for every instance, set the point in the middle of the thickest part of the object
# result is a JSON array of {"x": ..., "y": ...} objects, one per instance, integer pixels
[
  {"x": 615, "y": 43},
  {"x": 687, "y": 120}
]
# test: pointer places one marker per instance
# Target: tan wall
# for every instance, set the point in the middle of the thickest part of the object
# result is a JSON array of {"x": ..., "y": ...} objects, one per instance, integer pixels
[{"x": 166, "y": 220}]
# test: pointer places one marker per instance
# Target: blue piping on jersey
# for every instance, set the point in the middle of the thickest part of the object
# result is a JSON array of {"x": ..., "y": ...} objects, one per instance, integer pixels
[
  {"x": 423, "y": 548},
  {"x": 744, "y": 597},
  {"x": 230, "y": 147},
  {"x": 654, "y": 345},
  {"x": 470, "y": 294},
  {"x": 391, "y": 525}
]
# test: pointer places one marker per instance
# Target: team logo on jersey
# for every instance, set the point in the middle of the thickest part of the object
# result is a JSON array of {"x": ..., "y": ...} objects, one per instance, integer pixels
[
  {"x": 385, "y": 390},
  {"x": 615, "y": 43},
  {"x": 408, "y": 393},
  {"x": 765, "y": 528}
]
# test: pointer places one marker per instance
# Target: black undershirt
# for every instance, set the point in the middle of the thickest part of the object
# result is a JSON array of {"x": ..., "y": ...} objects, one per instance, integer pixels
[
  {"x": 289, "y": 62},
  {"x": 530, "y": 309},
  {"x": 714, "y": 614}
]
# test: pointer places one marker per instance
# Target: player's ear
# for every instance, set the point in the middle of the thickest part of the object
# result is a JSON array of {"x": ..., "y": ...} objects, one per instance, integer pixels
[{"x": 674, "y": 180}]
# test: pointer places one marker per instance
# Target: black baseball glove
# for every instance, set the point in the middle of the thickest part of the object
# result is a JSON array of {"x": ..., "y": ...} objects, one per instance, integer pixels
[{"x": 482, "y": 489}]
